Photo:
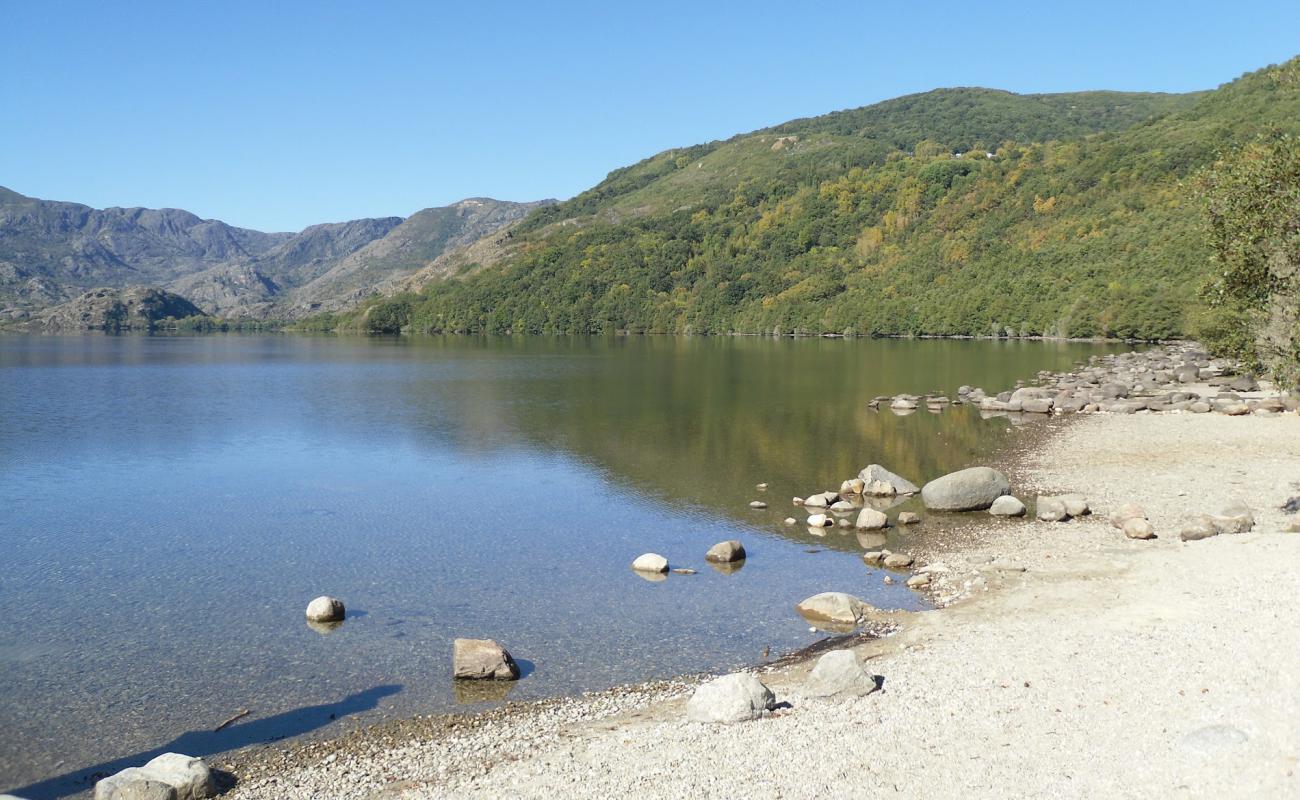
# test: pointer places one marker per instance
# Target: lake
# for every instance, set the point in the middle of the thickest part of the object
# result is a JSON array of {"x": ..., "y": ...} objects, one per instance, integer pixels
[{"x": 169, "y": 505}]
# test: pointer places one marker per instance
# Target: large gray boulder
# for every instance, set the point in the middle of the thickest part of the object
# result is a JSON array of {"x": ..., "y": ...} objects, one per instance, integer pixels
[
  {"x": 971, "y": 489},
  {"x": 732, "y": 698},
  {"x": 879, "y": 481},
  {"x": 840, "y": 672},
  {"x": 170, "y": 776},
  {"x": 482, "y": 659}
]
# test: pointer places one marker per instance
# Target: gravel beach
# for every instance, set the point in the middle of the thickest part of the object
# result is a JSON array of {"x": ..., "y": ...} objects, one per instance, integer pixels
[{"x": 1065, "y": 660}]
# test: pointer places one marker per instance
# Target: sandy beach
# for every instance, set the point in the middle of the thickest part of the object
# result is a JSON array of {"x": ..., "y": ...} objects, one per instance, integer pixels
[{"x": 1068, "y": 661}]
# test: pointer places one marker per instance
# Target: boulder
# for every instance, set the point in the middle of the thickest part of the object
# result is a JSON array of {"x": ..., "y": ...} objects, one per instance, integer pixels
[
  {"x": 969, "y": 489},
  {"x": 842, "y": 506},
  {"x": 874, "y": 558},
  {"x": 898, "y": 561},
  {"x": 325, "y": 609},
  {"x": 726, "y": 552},
  {"x": 840, "y": 672},
  {"x": 1037, "y": 405},
  {"x": 1051, "y": 509},
  {"x": 870, "y": 519},
  {"x": 650, "y": 562},
  {"x": 835, "y": 607},
  {"x": 482, "y": 659},
  {"x": 1236, "y": 518},
  {"x": 1138, "y": 528},
  {"x": 1007, "y": 506},
  {"x": 852, "y": 486},
  {"x": 919, "y": 581},
  {"x": 1197, "y": 530},
  {"x": 1076, "y": 505},
  {"x": 732, "y": 698},
  {"x": 757, "y": 504},
  {"x": 821, "y": 500},
  {"x": 820, "y": 521},
  {"x": 170, "y": 776},
  {"x": 133, "y": 783},
  {"x": 1125, "y": 513},
  {"x": 880, "y": 481},
  {"x": 908, "y": 518}
]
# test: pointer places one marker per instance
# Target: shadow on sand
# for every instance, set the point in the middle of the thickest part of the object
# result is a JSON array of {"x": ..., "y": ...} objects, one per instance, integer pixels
[{"x": 206, "y": 742}]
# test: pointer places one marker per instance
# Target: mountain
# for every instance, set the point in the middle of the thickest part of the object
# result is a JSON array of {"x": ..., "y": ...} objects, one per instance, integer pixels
[
  {"x": 51, "y": 252},
  {"x": 959, "y": 211}
]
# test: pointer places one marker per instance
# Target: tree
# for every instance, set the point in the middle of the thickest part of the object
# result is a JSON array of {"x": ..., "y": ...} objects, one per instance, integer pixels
[{"x": 1252, "y": 202}]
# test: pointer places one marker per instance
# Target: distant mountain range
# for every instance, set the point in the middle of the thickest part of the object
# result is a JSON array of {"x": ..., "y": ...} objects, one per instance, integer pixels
[{"x": 53, "y": 252}]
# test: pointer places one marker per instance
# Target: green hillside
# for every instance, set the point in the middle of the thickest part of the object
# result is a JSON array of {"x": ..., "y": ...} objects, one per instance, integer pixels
[{"x": 892, "y": 219}]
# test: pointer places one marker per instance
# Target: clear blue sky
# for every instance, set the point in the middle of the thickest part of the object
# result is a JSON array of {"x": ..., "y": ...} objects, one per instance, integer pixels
[{"x": 276, "y": 115}]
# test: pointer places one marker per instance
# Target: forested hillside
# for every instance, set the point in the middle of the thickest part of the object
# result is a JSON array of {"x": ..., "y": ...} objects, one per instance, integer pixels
[{"x": 964, "y": 211}]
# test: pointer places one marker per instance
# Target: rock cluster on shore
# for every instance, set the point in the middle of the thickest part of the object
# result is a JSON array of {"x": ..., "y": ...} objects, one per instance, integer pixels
[{"x": 1178, "y": 377}]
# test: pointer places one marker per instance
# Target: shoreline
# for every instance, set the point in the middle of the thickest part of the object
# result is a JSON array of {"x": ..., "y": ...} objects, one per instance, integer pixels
[{"x": 991, "y": 575}]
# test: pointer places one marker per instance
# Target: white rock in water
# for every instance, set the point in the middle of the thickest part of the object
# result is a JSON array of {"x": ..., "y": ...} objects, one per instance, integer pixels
[
  {"x": 1007, "y": 506},
  {"x": 650, "y": 562},
  {"x": 870, "y": 519},
  {"x": 482, "y": 659},
  {"x": 840, "y": 672},
  {"x": 170, "y": 775},
  {"x": 757, "y": 504},
  {"x": 820, "y": 521},
  {"x": 731, "y": 698},
  {"x": 880, "y": 481},
  {"x": 726, "y": 552},
  {"x": 325, "y": 609}
]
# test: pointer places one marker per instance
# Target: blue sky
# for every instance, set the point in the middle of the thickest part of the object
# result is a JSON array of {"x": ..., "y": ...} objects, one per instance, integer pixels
[{"x": 276, "y": 115}]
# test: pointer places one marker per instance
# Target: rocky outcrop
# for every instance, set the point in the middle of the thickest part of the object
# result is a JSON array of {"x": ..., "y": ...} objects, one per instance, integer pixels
[{"x": 138, "y": 308}]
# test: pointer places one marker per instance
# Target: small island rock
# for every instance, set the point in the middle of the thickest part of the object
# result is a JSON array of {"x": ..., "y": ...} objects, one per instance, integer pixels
[
  {"x": 325, "y": 609},
  {"x": 650, "y": 562},
  {"x": 726, "y": 552},
  {"x": 482, "y": 659}
]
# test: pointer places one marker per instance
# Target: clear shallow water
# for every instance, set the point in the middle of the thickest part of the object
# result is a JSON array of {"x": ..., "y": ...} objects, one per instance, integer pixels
[{"x": 169, "y": 505}]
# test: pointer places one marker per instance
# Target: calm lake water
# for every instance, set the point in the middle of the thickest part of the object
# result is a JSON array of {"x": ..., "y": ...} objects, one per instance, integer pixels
[{"x": 169, "y": 505}]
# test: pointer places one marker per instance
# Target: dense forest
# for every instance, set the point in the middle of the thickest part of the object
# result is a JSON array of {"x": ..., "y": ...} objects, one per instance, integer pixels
[{"x": 954, "y": 212}]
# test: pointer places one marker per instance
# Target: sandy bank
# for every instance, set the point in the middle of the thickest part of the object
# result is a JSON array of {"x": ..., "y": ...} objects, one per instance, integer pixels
[{"x": 1107, "y": 668}]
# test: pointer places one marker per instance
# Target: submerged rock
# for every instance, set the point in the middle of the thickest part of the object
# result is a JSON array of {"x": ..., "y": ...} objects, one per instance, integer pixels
[
  {"x": 732, "y": 698},
  {"x": 482, "y": 659},
  {"x": 971, "y": 489},
  {"x": 908, "y": 518}
]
